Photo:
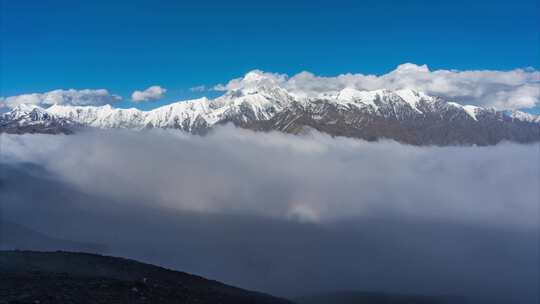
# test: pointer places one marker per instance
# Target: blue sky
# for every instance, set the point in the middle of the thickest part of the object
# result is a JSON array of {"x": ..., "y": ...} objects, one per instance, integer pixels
[{"x": 129, "y": 45}]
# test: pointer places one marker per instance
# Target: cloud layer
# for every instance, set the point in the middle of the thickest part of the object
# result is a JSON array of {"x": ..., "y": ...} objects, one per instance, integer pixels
[
  {"x": 150, "y": 94},
  {"x": 314, "y": 179},
  {"x": 286, "y": 214},
  {"x": 514, "y": 89},
  {"x": 86, "y": 97}
]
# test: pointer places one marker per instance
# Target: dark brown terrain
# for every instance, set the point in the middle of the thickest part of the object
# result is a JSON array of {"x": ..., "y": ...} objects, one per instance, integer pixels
[{"x": 66, "y": 277}]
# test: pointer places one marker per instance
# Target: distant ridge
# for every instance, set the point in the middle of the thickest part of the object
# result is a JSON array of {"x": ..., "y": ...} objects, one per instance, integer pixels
[{"x": 403, "y": 115}]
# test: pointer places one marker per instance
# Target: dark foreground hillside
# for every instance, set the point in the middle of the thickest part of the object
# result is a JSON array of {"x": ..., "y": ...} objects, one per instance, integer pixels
[
  {"x": 65, "y": 277},
  {"x": 354, "y": 297}
]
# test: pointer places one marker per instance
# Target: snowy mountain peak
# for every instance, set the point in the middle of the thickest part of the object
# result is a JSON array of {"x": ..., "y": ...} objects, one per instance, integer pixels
[
  {"x": 254, "y": 82},
  {"x": 377, "y": 98},
  {"x": 352, "y": 94},
  {"x": 357, "y": 98},
  {"x": 413, "y": 97},
  {"x": 257, "y": 97},
  {"x": 27, "y": 112},
  {"x": 25, "y": 107},
  {"x": 257, "y": 101}
]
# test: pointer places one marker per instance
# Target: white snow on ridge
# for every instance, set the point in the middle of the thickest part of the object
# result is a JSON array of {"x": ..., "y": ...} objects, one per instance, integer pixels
[
  {"x": 413, "y": 97},
  {"x": 358, "y": 98},
  {"x": 21, "y": 110},
  {"x": 471, "y": 110},
  {"x": 99, "y": 117},
  {"x": 183, "y": 113},
  {"x": 522, "y": 116},
  {"x": 368, "y": 98},
  {"x": 261, "y": 99}
]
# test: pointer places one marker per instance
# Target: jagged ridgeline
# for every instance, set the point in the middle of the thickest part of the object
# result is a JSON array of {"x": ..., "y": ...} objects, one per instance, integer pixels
[{"x": 403, "y": 115}]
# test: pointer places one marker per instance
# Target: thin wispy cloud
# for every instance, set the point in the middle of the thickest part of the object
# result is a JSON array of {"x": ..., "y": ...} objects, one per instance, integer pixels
[{"x": 200, "y": 88}]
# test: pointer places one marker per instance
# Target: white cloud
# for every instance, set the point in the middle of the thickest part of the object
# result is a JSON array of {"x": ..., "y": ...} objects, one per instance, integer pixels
[
  {"x": 63, "y": 97},
  {"x": 152, "y": 93},
  {"x": 315, "y": 178},
  {"x": 200, "y": 88},
  {"x": 514, "y": 89},
  {"x": 220, "y": 87},
  {"x": 253, "y": 79}
]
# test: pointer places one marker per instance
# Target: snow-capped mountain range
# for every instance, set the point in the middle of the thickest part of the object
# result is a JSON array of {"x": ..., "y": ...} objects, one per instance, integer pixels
[{"x": 404, "y": 115}]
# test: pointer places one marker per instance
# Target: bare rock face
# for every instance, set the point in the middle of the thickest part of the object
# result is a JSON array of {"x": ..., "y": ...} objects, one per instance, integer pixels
[
  {"x": 64, "y": 277},
  {"x": 441, "y": 126}
]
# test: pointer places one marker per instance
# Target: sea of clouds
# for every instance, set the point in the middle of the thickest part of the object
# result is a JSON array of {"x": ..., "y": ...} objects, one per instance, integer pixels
[
  {"x": 314, "y": 178},
  {"x": 290, "y": 215}
]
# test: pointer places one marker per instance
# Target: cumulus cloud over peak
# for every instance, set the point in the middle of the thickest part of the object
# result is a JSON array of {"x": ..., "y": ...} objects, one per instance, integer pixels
[
  {"x": 74, "y": 97},
  {"x": 254, "y": 79},
  {"x": 513, "y": 89},
  {"x": 154, "y": 92},
  {"x": 411, "y": 67}
]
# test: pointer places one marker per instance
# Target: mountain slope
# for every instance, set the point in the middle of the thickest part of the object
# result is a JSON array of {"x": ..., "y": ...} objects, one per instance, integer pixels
[
  {"x": 354, "y": 297},
  {"x": 63, "y": 277},
  {"x": 403, "y": 115},
  {"x": 33, "y": 119},
  {"x": 439, "y": 123}
]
